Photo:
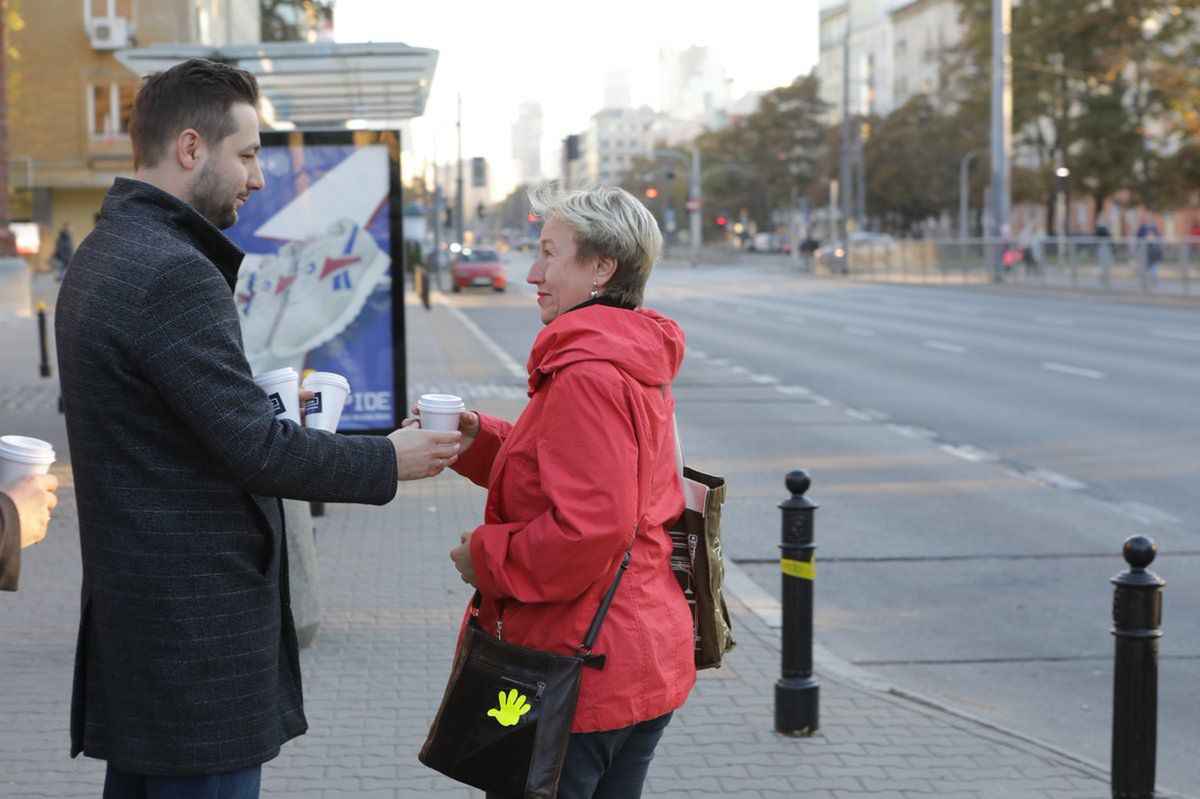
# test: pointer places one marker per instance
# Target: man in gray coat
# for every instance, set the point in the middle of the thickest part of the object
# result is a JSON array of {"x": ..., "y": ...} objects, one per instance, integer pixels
[{"x": 187, "y": 676}]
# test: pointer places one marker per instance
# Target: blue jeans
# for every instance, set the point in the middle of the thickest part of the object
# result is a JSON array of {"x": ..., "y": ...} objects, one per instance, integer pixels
[
  {"x": 234, "y": 785},
  {"x": 610, "y": 764}
]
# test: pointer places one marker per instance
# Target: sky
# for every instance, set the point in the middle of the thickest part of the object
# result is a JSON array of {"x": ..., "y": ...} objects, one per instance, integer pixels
[{"x": 498, "y": 54}]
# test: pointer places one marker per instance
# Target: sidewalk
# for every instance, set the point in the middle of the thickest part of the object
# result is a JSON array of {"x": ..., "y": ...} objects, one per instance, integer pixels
[{"x": 393, "y": 603}]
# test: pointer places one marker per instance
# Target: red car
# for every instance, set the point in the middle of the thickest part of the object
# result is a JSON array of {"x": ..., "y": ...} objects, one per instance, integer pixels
[{"x": 475, "y": 267}]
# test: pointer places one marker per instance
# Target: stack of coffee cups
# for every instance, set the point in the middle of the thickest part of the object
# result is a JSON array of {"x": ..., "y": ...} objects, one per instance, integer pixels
[{"x": 282, "y": 387}]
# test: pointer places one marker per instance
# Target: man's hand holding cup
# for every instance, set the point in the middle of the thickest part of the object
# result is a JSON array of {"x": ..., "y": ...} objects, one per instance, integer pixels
[{"x": 424, "y": 453}]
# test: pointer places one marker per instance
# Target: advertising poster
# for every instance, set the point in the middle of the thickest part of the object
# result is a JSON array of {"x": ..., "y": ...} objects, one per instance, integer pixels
[{"x": 316, "y": 290}]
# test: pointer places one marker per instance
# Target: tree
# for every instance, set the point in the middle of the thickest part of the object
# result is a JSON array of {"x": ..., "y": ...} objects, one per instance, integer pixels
[
  {"x": 781, "y": 145},
  {"x": 910, "y": 179},
  {"x": 294, "y": 20},
  {"x": 1091, "y": 86}
]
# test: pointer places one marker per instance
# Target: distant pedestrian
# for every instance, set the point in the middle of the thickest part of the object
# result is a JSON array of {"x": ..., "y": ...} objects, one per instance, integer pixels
[
  {"x": 64, "y": 248},
  {"x": 1031, "y": 243},
  {"x": 1150, "y": 244},
  {"x": 1104, "y": 251}
]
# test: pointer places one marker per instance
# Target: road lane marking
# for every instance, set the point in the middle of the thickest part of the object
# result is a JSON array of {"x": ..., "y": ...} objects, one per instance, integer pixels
[
  {"x": 911, "y": 431},
  {"x": 867, "y": 415},
  {"x": 1057, "y": 321},
  {"x": 1178, "y": 335},
  {"x": 858, "y": 331},
  {"x": 793, "y": 390},
  {"x": 740, "y": 370},
  {"x": 969, "y": 453},
  {"x": 506, "y": 360},
  {"x": 719, "y": 361},
  {"x": 697, "y": 354},
  {"x": 1053, "y": 478},
  {"x": 1078, "y": 371},
  {"x": 958, "y": 349},
  {"x": 1147, "y": 514},
  {"x": 764, "y": 380}
]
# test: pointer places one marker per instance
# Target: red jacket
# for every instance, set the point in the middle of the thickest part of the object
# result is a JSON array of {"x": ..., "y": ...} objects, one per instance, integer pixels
[{"x": 564, "y": 486}]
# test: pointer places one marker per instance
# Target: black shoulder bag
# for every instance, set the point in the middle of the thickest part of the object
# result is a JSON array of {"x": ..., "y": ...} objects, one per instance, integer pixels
[{"x": 506, "y": 716}]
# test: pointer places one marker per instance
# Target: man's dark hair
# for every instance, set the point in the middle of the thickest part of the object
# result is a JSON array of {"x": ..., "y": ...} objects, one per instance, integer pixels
[{"x": 196, "y": 94}]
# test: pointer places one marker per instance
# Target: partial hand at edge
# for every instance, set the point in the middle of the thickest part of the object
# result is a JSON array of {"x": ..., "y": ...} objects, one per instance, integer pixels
[
  {"x": 423, "y": 453},
  {"x": 34, "y": 497}
]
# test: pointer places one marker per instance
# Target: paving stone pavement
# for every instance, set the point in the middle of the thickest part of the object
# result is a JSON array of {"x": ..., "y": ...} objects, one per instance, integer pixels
[{"x": 373, "y": 677}]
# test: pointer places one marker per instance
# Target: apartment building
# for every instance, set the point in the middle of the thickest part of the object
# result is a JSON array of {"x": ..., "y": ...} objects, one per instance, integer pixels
[{"x": 70, "y": 100}]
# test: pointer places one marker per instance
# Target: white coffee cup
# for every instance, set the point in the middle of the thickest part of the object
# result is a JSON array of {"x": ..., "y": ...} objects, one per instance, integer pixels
[
  {"x": 21, "y": 455},
  {"x": 440, "y": 411},
  {"x": 325, "y": 409},
  {"x": 282, "y": 387}
]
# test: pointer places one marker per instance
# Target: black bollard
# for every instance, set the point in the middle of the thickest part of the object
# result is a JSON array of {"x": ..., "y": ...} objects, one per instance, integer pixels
[
  {"x": 1137, "y": 613},
  {"x": 796, "y": 692},
  {"x": 317, "y": 508},
  {"x": 44, "y": 368}
]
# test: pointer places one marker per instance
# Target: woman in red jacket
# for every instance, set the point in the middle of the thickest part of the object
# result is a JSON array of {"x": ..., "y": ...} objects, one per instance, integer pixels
[{"x": 587, "y": 472}]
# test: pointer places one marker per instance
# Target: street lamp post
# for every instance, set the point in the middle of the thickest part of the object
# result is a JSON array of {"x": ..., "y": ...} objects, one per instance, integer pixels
[{"x": 1001, "y": 145}]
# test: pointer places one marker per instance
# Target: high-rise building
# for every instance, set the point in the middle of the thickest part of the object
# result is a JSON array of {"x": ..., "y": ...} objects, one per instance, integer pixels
[
  {"x": 694, "y": 85},
  {"x": 617, "y": 93},
  {"x": 616, "y": 137},
  {"x": 527, "y": 142}
]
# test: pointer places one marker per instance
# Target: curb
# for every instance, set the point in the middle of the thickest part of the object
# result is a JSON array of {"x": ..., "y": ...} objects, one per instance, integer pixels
[{"x": 770, "y": 612}]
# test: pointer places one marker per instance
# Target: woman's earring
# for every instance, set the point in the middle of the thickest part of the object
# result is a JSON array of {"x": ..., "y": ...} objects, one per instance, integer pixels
[{"x": 595, "y": 292}]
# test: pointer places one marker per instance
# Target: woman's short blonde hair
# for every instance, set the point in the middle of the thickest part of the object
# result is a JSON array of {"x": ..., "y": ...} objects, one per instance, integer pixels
[{"x": 610, "y": 223}]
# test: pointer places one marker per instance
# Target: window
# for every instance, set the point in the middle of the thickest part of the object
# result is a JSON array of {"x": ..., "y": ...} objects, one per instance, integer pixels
[
  {"x": 108, "y": 8},
  {"x": 109, "y": 108}
]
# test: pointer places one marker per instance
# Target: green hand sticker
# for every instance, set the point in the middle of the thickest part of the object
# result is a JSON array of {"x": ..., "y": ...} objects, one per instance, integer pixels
[{"x": 512, "y": 707}]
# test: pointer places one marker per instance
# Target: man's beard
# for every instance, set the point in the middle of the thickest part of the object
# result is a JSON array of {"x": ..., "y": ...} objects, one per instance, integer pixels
[{"x": 207, "y": 198}]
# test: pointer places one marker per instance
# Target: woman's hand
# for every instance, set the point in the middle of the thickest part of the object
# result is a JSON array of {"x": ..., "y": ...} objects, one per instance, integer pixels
[
  {"x": 468, "y": 425},
  {"x": 461, "y": 555}
]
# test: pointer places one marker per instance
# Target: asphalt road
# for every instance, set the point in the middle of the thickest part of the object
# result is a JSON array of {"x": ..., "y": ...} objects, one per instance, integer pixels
[{"x": 978, "y": 457}]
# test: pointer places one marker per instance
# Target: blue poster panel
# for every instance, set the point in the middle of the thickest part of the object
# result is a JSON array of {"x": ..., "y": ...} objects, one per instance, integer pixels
[{"x": 316, "y": 289}]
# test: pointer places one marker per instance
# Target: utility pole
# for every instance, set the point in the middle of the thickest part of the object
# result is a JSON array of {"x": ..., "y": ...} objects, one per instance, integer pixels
[
  {"x": 694, "y": 206},
  {"x": 1001, "y": 144},
  {"x": 846, "y": 182},
  {"x": 458, "y": 209},
  {"x": 8, "y": 246}
]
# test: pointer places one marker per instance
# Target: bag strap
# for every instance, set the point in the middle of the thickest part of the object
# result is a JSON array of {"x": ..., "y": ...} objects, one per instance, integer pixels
[{"x": 679, "y": 459}]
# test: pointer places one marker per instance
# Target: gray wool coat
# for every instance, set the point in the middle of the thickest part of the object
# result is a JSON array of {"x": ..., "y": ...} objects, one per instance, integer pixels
[{"x": 186, "y": 662}]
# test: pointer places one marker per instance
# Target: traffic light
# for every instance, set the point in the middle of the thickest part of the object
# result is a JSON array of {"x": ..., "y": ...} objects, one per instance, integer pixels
[
  {"x": 481, "y": 211},
  {"x": 651, "y": 193},
  {"x": 532, "y": 218},
  {"x": 449, "y": 217},
  {"x": 478, "y": 173},
  {"x": 572, "y": 143},
  {"x": 722, "y": 221}
]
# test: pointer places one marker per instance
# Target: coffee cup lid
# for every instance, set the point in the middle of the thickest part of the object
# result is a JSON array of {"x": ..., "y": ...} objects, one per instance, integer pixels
[
  {"x": 327, "y": 378},
  {"x": 26, "y": 449},
  {"x": 276, "y": 376},
  {"x": 441, "y": 402}
]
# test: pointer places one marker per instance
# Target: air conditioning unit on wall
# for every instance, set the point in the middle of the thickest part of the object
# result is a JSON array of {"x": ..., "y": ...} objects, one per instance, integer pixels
[{"x": 109, "y": 33}]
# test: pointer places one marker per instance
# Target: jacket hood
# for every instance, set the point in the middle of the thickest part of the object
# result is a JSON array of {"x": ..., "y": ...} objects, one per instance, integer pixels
[{"x": 644, "y": 344}]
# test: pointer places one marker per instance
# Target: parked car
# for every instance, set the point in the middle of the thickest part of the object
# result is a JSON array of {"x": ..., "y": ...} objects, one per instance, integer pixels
[
  {"x": 473, "y": 267},
  {"x": 868, "y": 249}
]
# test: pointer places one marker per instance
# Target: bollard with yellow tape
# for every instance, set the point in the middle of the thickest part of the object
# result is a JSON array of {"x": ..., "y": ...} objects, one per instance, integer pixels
[{"x": 797, "y": 692}]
